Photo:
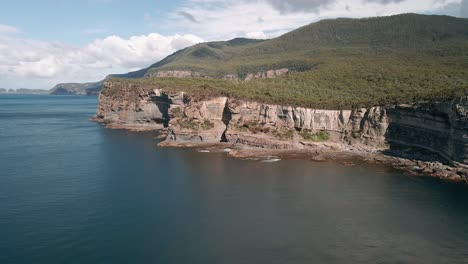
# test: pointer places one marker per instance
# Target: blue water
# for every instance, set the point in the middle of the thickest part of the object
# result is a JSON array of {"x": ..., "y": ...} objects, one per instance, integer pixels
[{"x": 74, "y": 192}]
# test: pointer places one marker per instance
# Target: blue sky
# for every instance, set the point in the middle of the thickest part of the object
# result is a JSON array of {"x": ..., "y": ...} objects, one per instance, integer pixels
[
  {"x": 46, "y": 42},
  {"x": 81, "y": 21}
]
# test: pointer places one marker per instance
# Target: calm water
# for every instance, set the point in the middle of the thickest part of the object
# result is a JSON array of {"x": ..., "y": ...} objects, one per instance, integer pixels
[{"x": 73, "y": 192}]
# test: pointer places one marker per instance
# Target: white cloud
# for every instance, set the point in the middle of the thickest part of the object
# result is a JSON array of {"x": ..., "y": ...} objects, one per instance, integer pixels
[
  {"x": 225, "y": 19},
  {"x": 256, "y": 35},
  {"x": 5, "y": 29},
  {"x": 463, "y": 8},
  {"x": 44, "y": 64},
  {"x": 286, "y": 6}
]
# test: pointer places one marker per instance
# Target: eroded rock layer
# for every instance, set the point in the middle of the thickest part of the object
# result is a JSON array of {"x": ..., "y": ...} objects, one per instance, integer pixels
[{"x": 440, "y": 127}]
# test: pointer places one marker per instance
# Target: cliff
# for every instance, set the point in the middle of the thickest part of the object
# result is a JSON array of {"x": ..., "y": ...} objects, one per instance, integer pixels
[
  {"x": 429, "y": 129},
  {"x": 440, "y": 127},
  {"x": 193, "y": 74}
]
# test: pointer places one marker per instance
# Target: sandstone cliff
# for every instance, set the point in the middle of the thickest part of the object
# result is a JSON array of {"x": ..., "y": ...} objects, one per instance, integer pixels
[{"x": 439, "y": 128}]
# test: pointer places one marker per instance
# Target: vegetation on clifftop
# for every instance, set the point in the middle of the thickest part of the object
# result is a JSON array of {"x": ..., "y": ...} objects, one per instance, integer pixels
[
  {"x": 340, "y": 63},
  {"x": 347, "y": 85}
]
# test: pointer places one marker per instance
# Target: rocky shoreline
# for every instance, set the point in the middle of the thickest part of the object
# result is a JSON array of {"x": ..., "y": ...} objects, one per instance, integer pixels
[
  {"x": 425, "y": 139},
  {"x": 345, "y": 156},
  {"x": 319, "y": 152}
]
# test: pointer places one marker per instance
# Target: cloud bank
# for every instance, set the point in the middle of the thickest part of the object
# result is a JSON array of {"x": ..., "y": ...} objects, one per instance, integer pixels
[
  {"x": 44, "y": 64},
  {"x": 224, "y": 19},
  {"x": 299, "y": 5}
]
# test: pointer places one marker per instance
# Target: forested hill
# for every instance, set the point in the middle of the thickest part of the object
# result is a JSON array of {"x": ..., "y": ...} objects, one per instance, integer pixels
[
  {"x": 406, "y": 31},
  {"x": 335, "y": 63},
  {"x": 407, "y": 35}
]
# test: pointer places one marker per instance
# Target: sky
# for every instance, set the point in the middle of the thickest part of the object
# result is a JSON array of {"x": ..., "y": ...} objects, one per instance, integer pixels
[{"x": 46, "y": 42}]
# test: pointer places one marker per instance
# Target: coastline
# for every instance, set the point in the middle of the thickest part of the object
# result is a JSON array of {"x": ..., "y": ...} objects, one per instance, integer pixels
[
  {"x": 336, "y": 153},
  {"x": 419, "y": 139},
  {"x": 311, "y": 151}
]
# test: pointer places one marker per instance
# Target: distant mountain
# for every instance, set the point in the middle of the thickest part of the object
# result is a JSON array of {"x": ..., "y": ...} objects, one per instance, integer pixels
[
  {"x": 93, "y": 88},
  {"x": 188, "y": 59},
  {"x": 3, "y": 90},
  {"x": 406, "y": 35},
  {"x": 77, "y": 88}
]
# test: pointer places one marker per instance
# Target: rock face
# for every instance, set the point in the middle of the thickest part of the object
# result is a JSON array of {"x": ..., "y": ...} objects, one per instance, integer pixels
[
  {"x": 176, "y": 74},
  {"x": 198, "y": 122},
  {"x": 133, "y": 106},
  {"x": 438, "y": 127},
  {"x": 193, "y": 74},
  {"x": 266, "y": 74},
  {"x": 265, "y": 122}
]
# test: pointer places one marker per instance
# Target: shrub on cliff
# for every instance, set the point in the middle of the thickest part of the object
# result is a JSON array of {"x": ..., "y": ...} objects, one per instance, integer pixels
[
  {"x": 315, "y": 137},
  {"x": 188, "y": 123},
  {"x": 207, "y": 124},
  {"x": 284, "y": 134},
  {"x": 177, "y": 112}
]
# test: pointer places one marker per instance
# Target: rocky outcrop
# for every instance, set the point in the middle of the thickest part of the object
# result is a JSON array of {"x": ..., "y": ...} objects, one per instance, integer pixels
[
  {"x": 175, "y": 74},
  {"x": 198, "y": 122},
  {"x": 135, "y": 106},
  {"x": 194, "y": 74},
  {"x": 258, "y": 75},
  {"x": 266, "y": 74},
  {"x": 437, "y": 128},
  {"x": 367, "y": 127}
]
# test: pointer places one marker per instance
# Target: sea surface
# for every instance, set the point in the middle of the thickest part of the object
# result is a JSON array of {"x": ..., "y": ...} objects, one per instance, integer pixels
[{"x": 74, "y": 192}]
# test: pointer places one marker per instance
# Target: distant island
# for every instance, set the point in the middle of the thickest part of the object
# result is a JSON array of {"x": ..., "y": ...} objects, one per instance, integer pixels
[
  {"x": 23, "y": 91},
  {"x": 89, "y": 89},
  {"x": 77, "y": 88}
]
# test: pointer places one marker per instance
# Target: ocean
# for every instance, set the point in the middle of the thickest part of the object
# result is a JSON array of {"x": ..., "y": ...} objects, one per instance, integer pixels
[{"x": 72, "y": 191}]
